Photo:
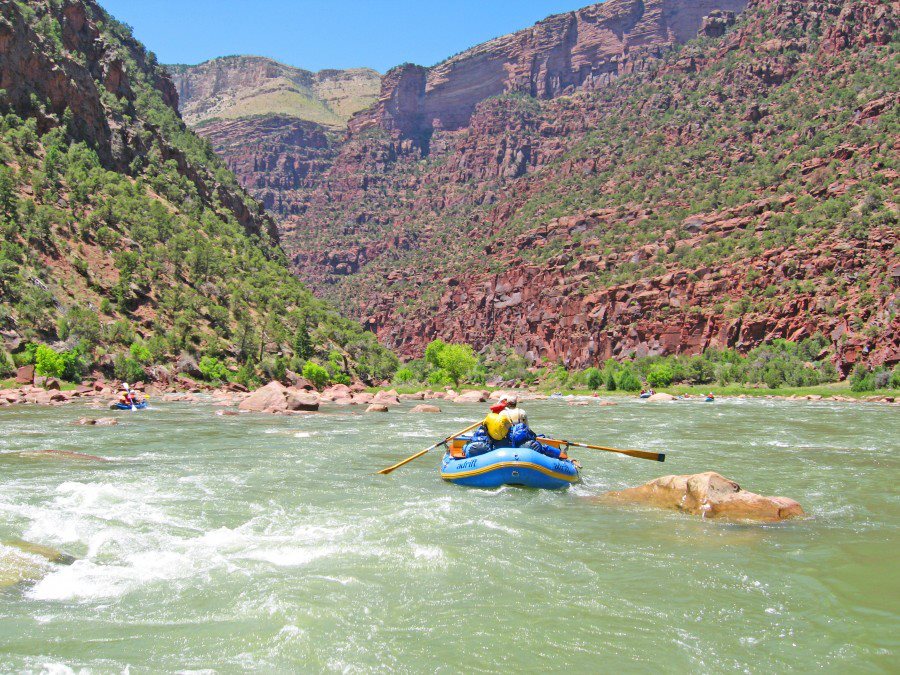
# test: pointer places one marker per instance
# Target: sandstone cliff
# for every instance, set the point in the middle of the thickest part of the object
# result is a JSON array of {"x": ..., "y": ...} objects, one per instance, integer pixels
[
  {"x": 577, "y": 51},
  {"x": 736, "y": 190},
  {"x": 592, "y": 187},
  {"x": 234, "y": 87}
]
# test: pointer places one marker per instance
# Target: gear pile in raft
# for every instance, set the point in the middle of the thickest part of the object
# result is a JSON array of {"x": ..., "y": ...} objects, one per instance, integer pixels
[{"x": 503, "y": 450}]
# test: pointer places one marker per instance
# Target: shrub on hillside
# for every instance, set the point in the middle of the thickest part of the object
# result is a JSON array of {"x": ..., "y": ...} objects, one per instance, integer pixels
[
  {"x": 315, "y": 374},
  {"x": 660, "y": 375},
  {"x": 213, "y": 370},
  {"x": 404, "y": 376},
  {"x": 626, "y": 380},
  {"x": 593, "y": 378},
  {"x": 127, "y": 368},
  {"x": 7, "y": 366},
  {"x": 67, "y": 365}
]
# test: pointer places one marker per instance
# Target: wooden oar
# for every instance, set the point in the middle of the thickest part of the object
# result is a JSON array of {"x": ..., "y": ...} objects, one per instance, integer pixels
[
  {"x": 419, "y": 454},
  {"x": 655, "y": 456}
]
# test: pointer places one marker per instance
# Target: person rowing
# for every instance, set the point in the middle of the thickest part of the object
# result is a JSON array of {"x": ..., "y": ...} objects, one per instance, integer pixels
[{"x": 129, "y": 396}]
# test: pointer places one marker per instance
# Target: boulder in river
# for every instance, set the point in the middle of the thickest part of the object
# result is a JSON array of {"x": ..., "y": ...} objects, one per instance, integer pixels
[
  {"x": 389, "y": 397},
  {"x": 660, "y": 397},
  {"x": 22, "y": 561},
  {"x": 425, "y": 408},
  {"x": 275, "y": 397},
  {"x": 471, "y": 396},
  {"x": 377, "y": 407},
  {"x": 709, "y": 495}
]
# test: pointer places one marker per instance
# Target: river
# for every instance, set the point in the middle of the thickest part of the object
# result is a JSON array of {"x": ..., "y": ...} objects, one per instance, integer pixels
[{"x": 266, "y": 543}]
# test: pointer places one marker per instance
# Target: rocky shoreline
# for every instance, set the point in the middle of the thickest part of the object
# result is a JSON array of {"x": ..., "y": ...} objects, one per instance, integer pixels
[{"x": 277, "y": 398}]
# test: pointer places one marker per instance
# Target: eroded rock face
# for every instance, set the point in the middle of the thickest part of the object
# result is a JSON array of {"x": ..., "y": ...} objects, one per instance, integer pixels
[
  {"x": 709, "y": 495},
  {"x": 491, "y": 186},
  {"x": 581, "y": 50}
]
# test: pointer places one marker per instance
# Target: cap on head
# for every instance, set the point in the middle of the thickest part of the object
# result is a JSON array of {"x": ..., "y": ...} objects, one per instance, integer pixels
[
  {"x": 498, "y": 407},
  {"x": 512, "y": 399}
]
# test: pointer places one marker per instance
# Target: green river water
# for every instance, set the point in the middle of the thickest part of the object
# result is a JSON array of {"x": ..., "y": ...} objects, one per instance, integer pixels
[{"x": 265, "y": 543}]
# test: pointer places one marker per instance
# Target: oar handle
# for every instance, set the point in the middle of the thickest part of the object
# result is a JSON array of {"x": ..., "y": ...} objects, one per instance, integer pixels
[
  {"x": 426, "y": 450},
  {"x": 640, "y": 454},
  {"x": 409, "y": 459}
]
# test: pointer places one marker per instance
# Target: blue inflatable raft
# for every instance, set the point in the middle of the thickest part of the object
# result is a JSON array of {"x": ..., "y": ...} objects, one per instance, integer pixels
[
  {"x": 123, "y": 406},
  {"x": 521, "y": 467}
]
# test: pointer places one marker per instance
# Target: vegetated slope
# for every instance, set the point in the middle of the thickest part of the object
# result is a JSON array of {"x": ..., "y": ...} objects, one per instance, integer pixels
[
  {"x": 234, "y": 87},
  {"x": 123, "y": 233},
  {"x": 741, "y": 188}
]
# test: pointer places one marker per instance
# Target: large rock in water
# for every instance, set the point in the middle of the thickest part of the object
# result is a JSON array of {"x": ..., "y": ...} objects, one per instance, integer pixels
[
  {"x": 709, "y": 495},
  {"x": 656, "y": 398},
  {"x": 275, "y": 397},
  {"x": 20, "y": 561},
  {"x": 425, "y": 408}
]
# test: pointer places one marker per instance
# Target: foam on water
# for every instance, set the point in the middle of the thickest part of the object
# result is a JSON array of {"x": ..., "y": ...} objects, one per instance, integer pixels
[{"x": 226, "y": 542}]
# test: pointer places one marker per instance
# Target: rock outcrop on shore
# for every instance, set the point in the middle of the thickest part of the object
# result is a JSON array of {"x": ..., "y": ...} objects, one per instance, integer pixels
[{"x": 709, "y": 495}]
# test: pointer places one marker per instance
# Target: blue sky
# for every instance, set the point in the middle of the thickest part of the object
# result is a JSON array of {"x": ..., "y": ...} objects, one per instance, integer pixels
[{"x": 317, "y": 34}]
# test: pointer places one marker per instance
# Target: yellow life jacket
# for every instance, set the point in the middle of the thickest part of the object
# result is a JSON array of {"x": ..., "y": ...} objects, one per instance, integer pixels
[{"x": 497, "y": 425}]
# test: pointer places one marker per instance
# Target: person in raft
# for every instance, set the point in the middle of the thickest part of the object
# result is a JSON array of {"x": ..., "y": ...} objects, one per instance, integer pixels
[
  {"x": 499, "y": 430},
  {"x": 512, "y": 411},
  {"x": 128, "y": 396}
]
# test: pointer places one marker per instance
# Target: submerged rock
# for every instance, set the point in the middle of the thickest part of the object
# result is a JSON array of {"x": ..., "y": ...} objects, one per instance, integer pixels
[
  {"x": 60, "y": 454},
  {"x": 425, "y": 408},
  {"x": 99, "y": 422},
  {"x": 22, "y": 561},
  {"x": 51, "y": 554},
  {"x": 377, "y": 407},
  {"x": 709, "y": 495}
]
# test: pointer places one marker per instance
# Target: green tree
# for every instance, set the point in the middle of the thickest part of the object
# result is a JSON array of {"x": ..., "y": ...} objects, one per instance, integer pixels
[
  {"x": 593, "y": 378},
  {"x": 315, "y": 374},
  {"x": 456, "y": 360},
  {"x": 48, "y": 362},
  {"x": 213, "y": 370},
  {"x": 660, "y": 375},
  {"x": 433, "y": 352},
  {"x": 626, "y": 380}
]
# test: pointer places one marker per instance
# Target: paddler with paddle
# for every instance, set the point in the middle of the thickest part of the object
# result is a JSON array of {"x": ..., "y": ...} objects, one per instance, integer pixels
[{"x": 129, "y": 397}]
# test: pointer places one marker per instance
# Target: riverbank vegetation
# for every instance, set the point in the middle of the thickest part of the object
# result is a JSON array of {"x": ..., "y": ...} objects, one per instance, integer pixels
[{"x": 776, "y": 365}]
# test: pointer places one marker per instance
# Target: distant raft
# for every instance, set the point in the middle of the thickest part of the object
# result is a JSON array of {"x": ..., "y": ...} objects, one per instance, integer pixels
[
  {"x": 125, "y": 406},
  {"x": 520, "y": 467}
]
